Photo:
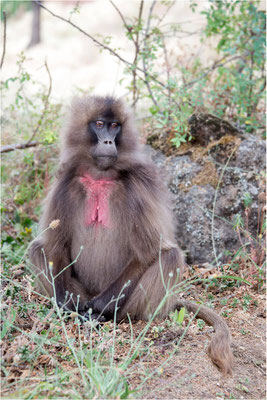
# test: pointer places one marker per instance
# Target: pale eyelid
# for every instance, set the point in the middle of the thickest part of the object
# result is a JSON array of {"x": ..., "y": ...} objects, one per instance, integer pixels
[{"x": 99, "y": 124}]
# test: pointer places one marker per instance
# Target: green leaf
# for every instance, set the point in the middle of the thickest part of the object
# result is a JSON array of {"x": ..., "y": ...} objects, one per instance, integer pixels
[
  {"x": 247, "y": 199},
  {"x": 181, "y": 316}
]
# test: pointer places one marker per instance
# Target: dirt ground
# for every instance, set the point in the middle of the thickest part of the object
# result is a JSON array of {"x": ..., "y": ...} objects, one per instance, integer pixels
[{"x": 190, "y": 374}]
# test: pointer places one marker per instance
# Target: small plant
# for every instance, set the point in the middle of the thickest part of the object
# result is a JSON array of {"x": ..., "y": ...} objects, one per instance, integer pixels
[
  {"x": 246, "y": 302},
  {"x": 224, "y": 302},
  {"x": 156, "y": 330},
  {"x": 235, "y": 303},
  {"x": 240, "y": 78},
  {"x": 25, "y": 174},
  {"x": 200, "y": 324},
  {"x": 177, "y": 317},
  {"x": 38, "y": 116}
]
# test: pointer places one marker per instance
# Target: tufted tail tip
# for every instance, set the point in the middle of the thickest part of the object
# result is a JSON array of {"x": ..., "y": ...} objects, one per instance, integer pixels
[{"x": 221, "y": 354}]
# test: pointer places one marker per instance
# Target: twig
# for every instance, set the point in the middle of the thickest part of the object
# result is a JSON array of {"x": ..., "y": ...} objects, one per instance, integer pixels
[
  {"x": 135, "y": 41},
  {"x": 166, "y": 12},
  {"x": 250, "y": 107},
  {"x": 215, "y": 65},
  {"x": 144, "y": 70},
  {"x": 171, "y": 34},
  {"x": 4, "y": 41},
  {"x": 31, "y": 142},
  {"x": 45, "y": 106},
  {"x": 11, "y": 147},
  {"x": 258, "y": 93},
  {"x": 121, "y": 15},
  {"x": 76, "y": 7},
  {"x": 135, "y": 95},
  {"x": 168, "y": 74},
  {"x": 98, "y": 43},
  {"x": 85, "y": 33},
  {"x": 144, "y": 61}
]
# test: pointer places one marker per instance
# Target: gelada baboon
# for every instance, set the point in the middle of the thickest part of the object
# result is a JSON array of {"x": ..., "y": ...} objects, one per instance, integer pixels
[{"x": 114, "y": 221}]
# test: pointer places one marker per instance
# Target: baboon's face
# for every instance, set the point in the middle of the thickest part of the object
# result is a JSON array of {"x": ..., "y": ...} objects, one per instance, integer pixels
[{"x": 104, "y": 133}]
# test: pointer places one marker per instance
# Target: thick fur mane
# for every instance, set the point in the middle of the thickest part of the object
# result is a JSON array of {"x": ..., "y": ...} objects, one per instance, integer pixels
[{"x": 74, "y": 137}]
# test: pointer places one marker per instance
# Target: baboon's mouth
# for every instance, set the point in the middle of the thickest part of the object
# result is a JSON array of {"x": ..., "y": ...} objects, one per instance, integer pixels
[{"x": 105, "y": 162}]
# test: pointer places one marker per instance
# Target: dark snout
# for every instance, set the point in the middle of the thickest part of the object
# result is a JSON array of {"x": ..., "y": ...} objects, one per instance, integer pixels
[
  {"x": 106, "y": 148},
  {"x": 105, "y": 153}
]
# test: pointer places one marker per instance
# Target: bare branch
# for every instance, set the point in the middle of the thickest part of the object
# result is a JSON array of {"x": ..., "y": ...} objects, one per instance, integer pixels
[
  {"x": 214, "y": 66},
  {"x": 148, "y": 76},
  {"x": 31, "y": 142},
  {"x": 167, "y": 72},
  {"x": 175, "y": 34},
  {"x": 144, "y": 59},
  {"x": 136, "y": 43},
  {"x": 11, "y": 147},
  {"x": 98, "y": 43},
  {"x": 166, "y": 12},
  {"x": 121, "y": 15},
  {"x": 85, "y": 33},
  {"x": 75, "y": 8},
  {"x": 140, "y": 12},
  {"x": 45, "y": 106},
  {"x": 137, "y": 48},
  {"x": 4, "y": 41}
]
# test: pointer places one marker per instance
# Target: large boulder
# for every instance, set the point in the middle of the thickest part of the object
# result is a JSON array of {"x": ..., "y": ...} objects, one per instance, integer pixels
[{"x": 210, "y": 191}]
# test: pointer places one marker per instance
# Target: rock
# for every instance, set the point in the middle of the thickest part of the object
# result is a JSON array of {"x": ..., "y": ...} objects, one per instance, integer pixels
[
  {"x": 205, "y": 213},
  {"x": 251, "y": 154},
  {"x": 207, "y": 127}
]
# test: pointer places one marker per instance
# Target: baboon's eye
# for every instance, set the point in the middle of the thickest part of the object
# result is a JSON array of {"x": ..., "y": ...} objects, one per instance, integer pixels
[
  {"x": 114, "y": 125},
  {"x": 99, "y": 124}
]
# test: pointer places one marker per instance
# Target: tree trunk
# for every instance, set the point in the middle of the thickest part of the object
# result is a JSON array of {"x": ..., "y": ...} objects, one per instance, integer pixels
[{"x": 36, "y": 25}]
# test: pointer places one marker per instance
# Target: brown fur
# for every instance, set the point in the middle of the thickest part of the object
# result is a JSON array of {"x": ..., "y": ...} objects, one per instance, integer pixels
[{"x": 142, "y": 224}]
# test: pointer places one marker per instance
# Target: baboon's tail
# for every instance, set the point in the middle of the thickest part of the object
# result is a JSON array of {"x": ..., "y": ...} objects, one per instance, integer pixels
[{"x": 219, "y": 349}]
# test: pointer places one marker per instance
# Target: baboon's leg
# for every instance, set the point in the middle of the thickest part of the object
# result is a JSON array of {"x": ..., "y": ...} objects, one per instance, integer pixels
[
  {"x": 151, "y": 288},
  {"x": 69, "y": 291}
]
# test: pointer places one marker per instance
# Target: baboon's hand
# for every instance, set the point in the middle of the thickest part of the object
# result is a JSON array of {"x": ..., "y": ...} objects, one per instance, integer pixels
[
  {"x": 93, "y": 309},
  {"x": 98, "y": 305},
  {"x": 91, "y": 316}
]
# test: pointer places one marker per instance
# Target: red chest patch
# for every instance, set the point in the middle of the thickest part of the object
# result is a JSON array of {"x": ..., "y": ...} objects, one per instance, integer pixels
[{"x": 97, "y": 207}]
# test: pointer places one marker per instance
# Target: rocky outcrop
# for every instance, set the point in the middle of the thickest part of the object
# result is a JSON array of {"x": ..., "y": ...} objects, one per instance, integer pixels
[{"x": 210, "y": 189}]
